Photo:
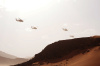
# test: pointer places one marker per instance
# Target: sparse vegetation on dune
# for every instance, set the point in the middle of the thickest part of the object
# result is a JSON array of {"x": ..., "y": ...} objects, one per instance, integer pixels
[{"x": 64, "y": 49}]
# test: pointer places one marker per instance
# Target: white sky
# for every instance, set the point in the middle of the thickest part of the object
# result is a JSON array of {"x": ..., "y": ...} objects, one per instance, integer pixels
[{"x": 80, "y": 17}]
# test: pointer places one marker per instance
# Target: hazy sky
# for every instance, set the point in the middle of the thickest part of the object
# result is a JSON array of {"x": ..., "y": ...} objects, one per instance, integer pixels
[{"x": 80, "y": 17}]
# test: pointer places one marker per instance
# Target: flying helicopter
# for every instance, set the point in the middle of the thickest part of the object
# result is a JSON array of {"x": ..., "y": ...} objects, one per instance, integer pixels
[
  {"x": 19, "y": 20},
  {"x": 65, "y": 29},
  {"x": 33, "y": 27}
]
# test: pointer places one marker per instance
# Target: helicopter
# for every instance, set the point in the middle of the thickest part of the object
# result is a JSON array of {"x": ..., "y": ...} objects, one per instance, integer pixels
[
  {"x": 19, "y": 20},
  {"x": 33, "y": 27},
  {"x": 65, "y": 29}
]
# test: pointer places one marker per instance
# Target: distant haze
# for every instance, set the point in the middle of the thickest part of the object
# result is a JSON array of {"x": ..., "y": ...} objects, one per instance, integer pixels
[
  {"x": 2, "y": 54},
  {"x": 80, "y": 17}
]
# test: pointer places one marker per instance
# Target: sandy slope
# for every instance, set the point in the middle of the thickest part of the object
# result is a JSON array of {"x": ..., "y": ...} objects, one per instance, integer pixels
[
  {"x": 7, "y": 62},
  {"x": 6, "y": 55},
  {"x": 4, "y": 64},
  {"x": 91, "y": 58},
  {"x": 63, "y": 53}
]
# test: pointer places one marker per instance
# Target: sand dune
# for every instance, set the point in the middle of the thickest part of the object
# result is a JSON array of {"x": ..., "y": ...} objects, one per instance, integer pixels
[
  {"x": 91, "y": 58},
  {"x": 73, "y": 52},
  {"x": 7, "y": 62},
  {"x": 6, "y": 55},
  {"x": 7, "y": 59}
]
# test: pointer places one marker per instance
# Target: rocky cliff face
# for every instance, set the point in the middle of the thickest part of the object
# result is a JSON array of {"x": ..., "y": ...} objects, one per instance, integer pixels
[{"x": 57, "y": 51}]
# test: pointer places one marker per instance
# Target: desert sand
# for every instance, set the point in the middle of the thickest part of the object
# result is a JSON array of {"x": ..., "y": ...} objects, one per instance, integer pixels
[
  {"x": 91, "y": 58},
  {"x": 74, "y": 52}
]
